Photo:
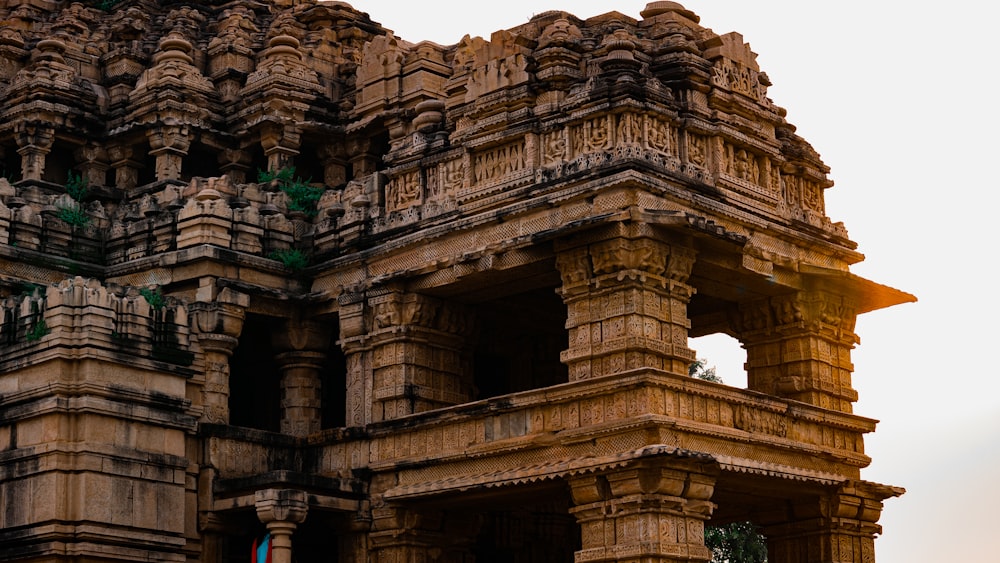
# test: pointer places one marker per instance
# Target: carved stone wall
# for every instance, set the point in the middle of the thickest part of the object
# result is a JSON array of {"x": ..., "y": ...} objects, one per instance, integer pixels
[{"x": 266, "y": 267}]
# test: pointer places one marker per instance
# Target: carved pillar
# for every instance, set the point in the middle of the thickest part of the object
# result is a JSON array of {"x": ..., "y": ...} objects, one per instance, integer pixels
[
  {"x": 169, "y": 143},
  {"x": 126, "y": 169},
  {"x": 334, "y": 164},
  {"x": 402, "y": 535},
  {"x": 34, "y": 141},
  {"x": 281, "y": 510},
  {"x": 234, "y": 163},
  {"x": 354, "y": 343},
  {"x": 302, "y": 347},
  {"x": 839, "y": 528},
  {"x": 405, "y": 354},
  {"x": 418, "y": 361},
  {"x": 364, "y": 160},
  {"x": 799, "y": 347},
  {"x": 626, "y": 300},
  {"x": 647, "y": 513},
  {"x": 280, "y": 144},
  {"x": 219, "y": 325},
  {"x": 92, "y": 161}
]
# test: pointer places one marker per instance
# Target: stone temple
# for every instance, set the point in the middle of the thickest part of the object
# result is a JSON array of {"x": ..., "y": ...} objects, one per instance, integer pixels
[{"x": 266, "y": 267}]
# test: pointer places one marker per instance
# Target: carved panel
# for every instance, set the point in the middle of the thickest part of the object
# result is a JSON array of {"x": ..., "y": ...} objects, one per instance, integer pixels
[
  {"x": 592, "y": 135},
  {"x": 554, "y": 147},
  {"x": 404, "y": 191},
  {"x": 500, "y": 163},
  {"x": 660, "y": 135}
]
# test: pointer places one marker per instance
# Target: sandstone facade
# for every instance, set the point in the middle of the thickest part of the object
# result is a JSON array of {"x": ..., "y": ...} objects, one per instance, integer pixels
[{"x": 265, "y": 266}]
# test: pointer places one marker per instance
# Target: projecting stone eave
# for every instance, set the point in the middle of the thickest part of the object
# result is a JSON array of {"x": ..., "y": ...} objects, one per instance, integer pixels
[{"x": 869, "y": 295}]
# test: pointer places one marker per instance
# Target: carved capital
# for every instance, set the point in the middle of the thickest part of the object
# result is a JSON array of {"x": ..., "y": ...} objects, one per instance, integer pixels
[
  {"x": 281, "y": 505},
  {"x": 222, "y": 319},
  {"x": 814, "y": 312},
  {"x": 293, "y": 335},
  {"x": 171, "y": 137},
  {"x": 35, "y": 135}
]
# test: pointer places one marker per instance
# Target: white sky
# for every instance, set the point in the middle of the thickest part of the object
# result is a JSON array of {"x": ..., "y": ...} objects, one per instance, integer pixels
[{"x": 897, "y": 97}]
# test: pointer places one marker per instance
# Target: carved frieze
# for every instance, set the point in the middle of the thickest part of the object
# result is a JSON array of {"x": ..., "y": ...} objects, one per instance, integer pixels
[{"x": 499, "y": 164}]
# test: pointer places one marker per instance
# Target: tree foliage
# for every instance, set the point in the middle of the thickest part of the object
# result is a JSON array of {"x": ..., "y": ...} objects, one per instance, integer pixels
[
  {"x": 737, "y": 542},
  {"x": 700, "y": 370},
  {"x": 301, "y": 195}
]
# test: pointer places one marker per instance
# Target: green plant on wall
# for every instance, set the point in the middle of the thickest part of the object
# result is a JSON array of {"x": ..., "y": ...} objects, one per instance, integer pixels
[
  {"x": 76, "y": 189},
  {"x": 107, "y": 5},
  {"x": 292, "y": 258},
  {"x": 301, "y": 196},
  {"x": 154, "y": 297},
  {"x": 37, "y": 331}
]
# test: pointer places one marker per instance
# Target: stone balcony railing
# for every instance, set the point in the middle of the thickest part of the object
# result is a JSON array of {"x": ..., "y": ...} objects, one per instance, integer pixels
[{"x": 571, "y": 427}]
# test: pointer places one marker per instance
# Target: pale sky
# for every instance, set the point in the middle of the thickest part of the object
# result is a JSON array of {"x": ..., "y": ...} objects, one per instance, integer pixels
[{"x": 898, "y": 99}]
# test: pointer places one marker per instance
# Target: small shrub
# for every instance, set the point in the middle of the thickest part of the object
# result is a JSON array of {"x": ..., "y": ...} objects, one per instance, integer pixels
[
  {"x": 154, "y": 297},
  {"x": 107, "y": 5},
  {"x": 292, "y": 258},
  {"x": 74, "y": 215},
  {"x": 76, "y": 186},
  {"x": 37, "y": 332},
  {"x": 283, "y": 175},
  {"x": 301, "y": 196}
]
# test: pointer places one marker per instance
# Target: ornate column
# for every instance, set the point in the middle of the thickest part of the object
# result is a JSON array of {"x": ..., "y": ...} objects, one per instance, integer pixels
[
  {"x": 626, "y": 300},
  {"x": 302, "y": 347},
  {"x": 799, "y": 347},
  {"x": 169, "y": 143},
  {"x": 281, "y": 510},
  {"x": 418, "y": 357},
  {"x": 406, "y": 353},
  {"x": 645, "y": 514},
  {"x": 401, "y": 535},
  {"x": 839, "y": 528},
  {"x": 363, "y": 158},
  {"x": 280, "y": 144},
  {"x": 92, "y": 160},
  {"x": 235, "y": 164},
  {"x": 218, "y": 325},
  {"x": 333, "y": 157},
  {"x": 126, "y": 169},
  {"x": 34, "y": 141},
  {"x": 354, "y": 343}
]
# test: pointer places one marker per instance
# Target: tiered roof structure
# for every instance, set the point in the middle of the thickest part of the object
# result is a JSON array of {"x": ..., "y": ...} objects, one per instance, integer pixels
[{"x": 265, "y": 266}]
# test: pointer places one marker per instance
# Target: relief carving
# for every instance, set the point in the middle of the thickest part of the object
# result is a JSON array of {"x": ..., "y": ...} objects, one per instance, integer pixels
[
  {"x": 697, "y": 150},
  {"x": 630, "y": 131},
  {"x": 453, "y": 176},
  {"x": 574, "y": 266},
  {"x": 385, "y": 314},
  {"x": 742, "y": 164},
  {"x": 404, "y": 191},
  {"x": 660, "y": 135},
  {"x": 757, "y": 421},
  {"x": 592, "y": 135},
  {"x": 494, "y": 165},
  {"x": 553, "y": 147}
]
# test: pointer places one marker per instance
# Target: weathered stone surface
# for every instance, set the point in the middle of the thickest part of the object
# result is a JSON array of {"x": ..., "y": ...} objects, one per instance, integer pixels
[{"x": 265, "y": 260}]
